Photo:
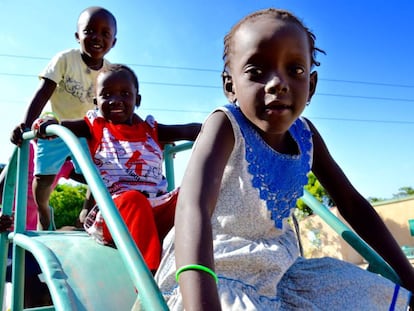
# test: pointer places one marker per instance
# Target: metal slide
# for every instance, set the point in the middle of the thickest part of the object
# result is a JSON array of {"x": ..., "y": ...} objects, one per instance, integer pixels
[{"x": 80, "y": 274}]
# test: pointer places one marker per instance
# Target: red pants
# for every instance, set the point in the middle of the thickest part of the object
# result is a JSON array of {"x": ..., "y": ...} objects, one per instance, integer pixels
[{"x": 147, "y": 225}]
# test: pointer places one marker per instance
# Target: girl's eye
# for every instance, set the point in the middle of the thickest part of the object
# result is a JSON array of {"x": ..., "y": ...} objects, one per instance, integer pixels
[
  {"x": 106, "y": 95},
  {"x": 297, "y": 70},
  {"x": 254, "y": 71}
]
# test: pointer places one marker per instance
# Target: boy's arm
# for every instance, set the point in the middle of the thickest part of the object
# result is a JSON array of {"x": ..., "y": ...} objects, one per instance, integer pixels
[
  {"x": 40, "y": 98},
  {"x": 171, "y": 133},
  {"x": 42, "y": 95}
]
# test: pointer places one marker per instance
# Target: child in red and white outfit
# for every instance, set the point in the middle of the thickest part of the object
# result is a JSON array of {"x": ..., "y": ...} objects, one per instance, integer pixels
[{"x": 127, "y": 152}]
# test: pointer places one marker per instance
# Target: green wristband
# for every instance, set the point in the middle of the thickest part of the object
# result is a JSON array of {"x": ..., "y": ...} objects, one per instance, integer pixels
[{"x": 195, "y": 267}]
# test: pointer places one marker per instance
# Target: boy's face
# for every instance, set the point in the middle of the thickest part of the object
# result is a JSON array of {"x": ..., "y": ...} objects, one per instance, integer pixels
[
  {"x": 96, "y": 34},
  {"x": 116, "y": 97},
  {"x": 270, "y": 72}
]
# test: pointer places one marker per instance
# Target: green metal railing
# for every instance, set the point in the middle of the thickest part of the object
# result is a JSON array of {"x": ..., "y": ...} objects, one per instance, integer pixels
[
  {"x": 375, "y": 262},
  {"x": 149, "y": 294}
]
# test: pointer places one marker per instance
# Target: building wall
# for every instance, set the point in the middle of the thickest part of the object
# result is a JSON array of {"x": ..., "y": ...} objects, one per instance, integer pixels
[{"x": 319, "y": 240}]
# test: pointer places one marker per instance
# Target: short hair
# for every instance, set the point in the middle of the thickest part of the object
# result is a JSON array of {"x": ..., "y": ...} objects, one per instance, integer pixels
[
  {"x": 122, "y": 68},
  {"x": 95, "y": 9}
]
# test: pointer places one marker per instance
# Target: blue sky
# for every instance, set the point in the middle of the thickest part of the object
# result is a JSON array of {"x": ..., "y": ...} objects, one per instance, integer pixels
[{"x": 363, "y": 106}]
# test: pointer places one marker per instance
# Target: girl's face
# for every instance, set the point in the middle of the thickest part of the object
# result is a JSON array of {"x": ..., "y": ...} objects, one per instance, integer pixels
[
  {"x": 269, "y": 66},
  {"x": 117, "y": 97}
]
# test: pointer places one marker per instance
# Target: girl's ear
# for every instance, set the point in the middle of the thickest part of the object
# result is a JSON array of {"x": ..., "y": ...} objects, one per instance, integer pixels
[
  {"x": 228, "y": 87},
  {"x": 77, "y": 36},
  {"x": 313, "y": 81},
  {"x": 138, "y": 101}
]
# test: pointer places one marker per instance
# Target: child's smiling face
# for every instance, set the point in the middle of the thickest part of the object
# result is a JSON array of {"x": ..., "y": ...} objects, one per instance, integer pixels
[
  {"x": 96, "y": 33},
  {"x": 117, "y": 96}
]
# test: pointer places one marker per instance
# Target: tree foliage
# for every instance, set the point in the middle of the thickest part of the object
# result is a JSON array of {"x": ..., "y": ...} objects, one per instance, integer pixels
[
  {"x": 315, "y": 188},
  {"x": 402, "y": 193},
  {"x": 67, "y": 202}
]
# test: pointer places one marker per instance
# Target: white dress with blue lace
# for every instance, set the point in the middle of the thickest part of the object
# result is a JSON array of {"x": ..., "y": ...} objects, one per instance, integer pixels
[{"x": 256, "y": 252}]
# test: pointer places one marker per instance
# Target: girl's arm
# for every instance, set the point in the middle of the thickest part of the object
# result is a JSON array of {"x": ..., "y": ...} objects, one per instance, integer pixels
[
  {"x": 357, "y": 211},
  {"x": 171, "y": 133},
  {"x": 196, "y": 203}
]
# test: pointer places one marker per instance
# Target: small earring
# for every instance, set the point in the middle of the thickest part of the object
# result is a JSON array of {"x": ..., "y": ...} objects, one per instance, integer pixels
[{"x": 308, "y": 103}]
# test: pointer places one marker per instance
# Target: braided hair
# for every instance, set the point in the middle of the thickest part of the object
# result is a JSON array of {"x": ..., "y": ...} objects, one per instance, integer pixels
[{"x": 278, "y": 14}]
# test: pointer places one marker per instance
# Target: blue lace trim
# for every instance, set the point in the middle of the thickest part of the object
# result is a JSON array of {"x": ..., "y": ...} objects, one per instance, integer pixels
[{"x": 280, "y": 178}]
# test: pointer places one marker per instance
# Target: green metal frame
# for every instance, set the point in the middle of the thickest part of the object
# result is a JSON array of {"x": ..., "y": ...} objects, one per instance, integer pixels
[
  {"x": 149, "y": 294},
  {"x": 375, "y": 262},
  {"x": 411, "y": 226}
]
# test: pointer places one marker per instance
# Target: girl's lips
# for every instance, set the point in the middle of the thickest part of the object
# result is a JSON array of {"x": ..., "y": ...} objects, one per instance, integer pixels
[
  {"x": 276, "y": 109},
  {"x": 276, "y": 103}
]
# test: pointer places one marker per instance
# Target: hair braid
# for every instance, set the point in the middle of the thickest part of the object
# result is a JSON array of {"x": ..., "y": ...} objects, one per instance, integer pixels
[{"x": 276, "y": 13}]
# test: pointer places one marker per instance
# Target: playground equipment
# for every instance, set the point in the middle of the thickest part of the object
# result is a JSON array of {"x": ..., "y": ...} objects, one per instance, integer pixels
[
  {"x": 80, "y": 274},
  {"x": 83, "y": 275},
  {"x": 409, "y": 250}
]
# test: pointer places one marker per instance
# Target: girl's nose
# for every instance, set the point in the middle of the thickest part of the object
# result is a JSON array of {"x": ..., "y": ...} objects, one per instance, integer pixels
[{"x": 276, "y": 85}]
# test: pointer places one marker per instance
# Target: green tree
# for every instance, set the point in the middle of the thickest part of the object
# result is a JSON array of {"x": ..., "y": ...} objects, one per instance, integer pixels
[
  {"x": 315, "y": 188},
  {"x": 67, "y": 202},
  {"x": 404, "y": 192},
  {"x": 375, "y": 199}
]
